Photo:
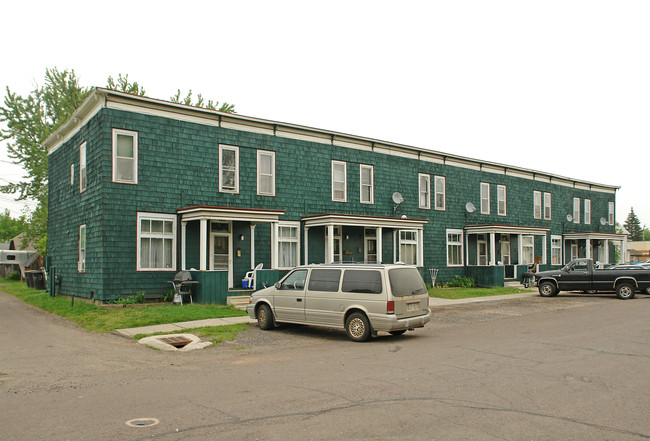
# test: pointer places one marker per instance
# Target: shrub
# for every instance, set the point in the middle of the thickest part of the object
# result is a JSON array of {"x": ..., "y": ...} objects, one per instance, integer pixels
[
  {"x": 15, "y": 275},
  {"x": 168, "y": 297},
  {"x": 130, "y": 300},
  {"x": 461, "y": 282}
]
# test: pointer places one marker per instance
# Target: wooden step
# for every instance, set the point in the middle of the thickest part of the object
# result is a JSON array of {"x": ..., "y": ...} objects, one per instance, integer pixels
[{"x": 239, "y": 302}]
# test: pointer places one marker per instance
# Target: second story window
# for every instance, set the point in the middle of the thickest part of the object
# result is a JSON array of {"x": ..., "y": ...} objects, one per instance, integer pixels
[
  {"x": 425, "y": 190},
  {"x": 339, "y": 181},
  {"x": 587, "y": 211},
  {"x": 125, "y": 156},
  {"x": 611, "y": 213},
  {"x": 82, "y": 168},
  {"x": 485, "y": 198},
  {"x": 366, "y": 186},
  {"x": 265, "y": 173},
  {"x": 501, "y": 200},
  {"x": 440, "y": 190},
  {"x": 228, "y": 169},
  {"x": 547, "y": 206},
  {"x": 576, "y": 210},
  {"x": 537, "y": 204}
]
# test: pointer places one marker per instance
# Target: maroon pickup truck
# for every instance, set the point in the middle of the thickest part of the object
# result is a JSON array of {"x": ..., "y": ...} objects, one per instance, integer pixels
[{"x": 580, "y": 275}]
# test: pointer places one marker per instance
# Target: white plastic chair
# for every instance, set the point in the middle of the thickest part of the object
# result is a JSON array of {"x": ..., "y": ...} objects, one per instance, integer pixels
[{"x": 250, "y": 276}]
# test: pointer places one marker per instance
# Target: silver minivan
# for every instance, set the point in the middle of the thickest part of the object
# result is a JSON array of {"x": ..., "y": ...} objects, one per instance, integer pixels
[{"x": 363, "y": 299}]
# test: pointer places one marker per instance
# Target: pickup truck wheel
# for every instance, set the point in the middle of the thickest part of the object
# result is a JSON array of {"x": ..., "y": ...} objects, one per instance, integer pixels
[
  {"x": 357, "y": 327},
  {"x": 547, "y": 289},
  {"x": 265, "y": 317},
  {"x": 625, "y": 291}
]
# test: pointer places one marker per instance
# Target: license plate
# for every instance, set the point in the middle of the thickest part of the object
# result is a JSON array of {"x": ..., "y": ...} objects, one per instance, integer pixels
[{"x": 412, "y": 306}]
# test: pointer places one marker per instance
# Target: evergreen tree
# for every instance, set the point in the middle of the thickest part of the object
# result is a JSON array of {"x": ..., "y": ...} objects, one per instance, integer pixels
[{"x": 633, "y": 226}]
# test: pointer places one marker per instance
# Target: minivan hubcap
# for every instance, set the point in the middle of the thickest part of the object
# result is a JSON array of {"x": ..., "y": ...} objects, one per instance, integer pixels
[{"x": 357, "y": 328}]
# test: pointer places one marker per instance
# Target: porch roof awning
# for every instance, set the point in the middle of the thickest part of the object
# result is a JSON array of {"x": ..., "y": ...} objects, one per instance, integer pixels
[
  {"x": 506, "y": 229},
  {"x": 199, "y": 212},
  {"x": 595, "y": 235},
  {"x": 319, "y": 220}
]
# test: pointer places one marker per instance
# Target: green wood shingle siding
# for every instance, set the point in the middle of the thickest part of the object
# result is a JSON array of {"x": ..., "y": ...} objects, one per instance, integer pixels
[{"x": 178, "y": 164}]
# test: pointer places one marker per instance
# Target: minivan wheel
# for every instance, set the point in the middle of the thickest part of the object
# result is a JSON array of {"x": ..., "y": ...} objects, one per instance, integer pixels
[
  {"x": 265, "y": 317},
  {"x": 397, "y": 333},
  {"x": 357, "y": 327}
]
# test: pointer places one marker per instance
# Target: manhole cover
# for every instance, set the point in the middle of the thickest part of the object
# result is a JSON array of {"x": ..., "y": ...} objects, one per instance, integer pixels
[
  {"x": 176, "y": 341},
  {"x": 142, "y": 422}
]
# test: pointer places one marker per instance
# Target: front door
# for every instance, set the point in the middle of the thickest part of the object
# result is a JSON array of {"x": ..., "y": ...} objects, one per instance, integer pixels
[
  {"x": 220, "y": 249},
  {"x": 505, "y": 249},
  {"x": 482, "y": 250},
  {"x": 371, "y": 245}
]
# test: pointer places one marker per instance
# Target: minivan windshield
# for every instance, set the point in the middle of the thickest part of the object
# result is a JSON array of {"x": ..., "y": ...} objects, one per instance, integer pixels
[{"x": 406, "y": 282}]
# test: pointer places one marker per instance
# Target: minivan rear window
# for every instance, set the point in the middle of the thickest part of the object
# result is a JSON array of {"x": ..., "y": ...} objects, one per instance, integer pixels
[
  {"x": 406, "y": 282},
  {"x": 324, "y": 280},
  {"x": 362, "y": 281}
]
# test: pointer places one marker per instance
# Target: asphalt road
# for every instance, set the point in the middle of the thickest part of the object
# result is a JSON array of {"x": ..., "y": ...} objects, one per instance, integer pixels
[{"x": 564, "y": 368}]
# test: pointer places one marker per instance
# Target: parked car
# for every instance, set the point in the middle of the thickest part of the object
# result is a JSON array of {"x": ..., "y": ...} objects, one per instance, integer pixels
[{"x": 363, "y": 299}]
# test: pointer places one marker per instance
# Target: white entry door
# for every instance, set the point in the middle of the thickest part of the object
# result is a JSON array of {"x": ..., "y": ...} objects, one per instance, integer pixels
[{"x": 221, "y": 250}]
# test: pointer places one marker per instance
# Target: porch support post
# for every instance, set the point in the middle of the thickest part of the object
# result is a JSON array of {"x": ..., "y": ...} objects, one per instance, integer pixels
[
  {"x": 252, "y": 246},
  {"x": 623, "y": 257},
  {"x": 183, "y": 235},
  {"x": 606, "y": 251},
  {"x": 306, "y": 242},
  {"x": 380, "y": 252},
  {"x": 520, "y": 246},
  {"x": 544, "y": 261},
  {"x": 493, "y": 247},
  {"x": 203, "y": 245},
  {"x": 588, "y": 248},
  {"x": 420, "y": 257},
  {"x": 330, "y": 244},
  {"x": 467, "y": 249},
  {"x": 274, "y": 244}
]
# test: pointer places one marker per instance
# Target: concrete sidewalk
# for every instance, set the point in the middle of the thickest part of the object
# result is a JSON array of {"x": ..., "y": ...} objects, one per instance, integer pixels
[{"x": 173, "y": 327}]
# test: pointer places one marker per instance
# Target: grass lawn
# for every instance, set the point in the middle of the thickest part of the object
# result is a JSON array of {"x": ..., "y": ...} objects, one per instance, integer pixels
[
  {"x": 99, "y": 319},
  {"x": 464, "y": 293}
]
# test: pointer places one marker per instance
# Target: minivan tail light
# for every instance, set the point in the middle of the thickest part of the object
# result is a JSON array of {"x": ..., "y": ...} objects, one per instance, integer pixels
[{"x": 390, "y": 307}]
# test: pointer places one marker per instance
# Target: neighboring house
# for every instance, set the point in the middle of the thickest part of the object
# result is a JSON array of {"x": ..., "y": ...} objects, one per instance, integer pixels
[
  {"x": 18, "y": 255},
  {"x": 638, "y": 251},
  {"x": 141, "y": 188}
]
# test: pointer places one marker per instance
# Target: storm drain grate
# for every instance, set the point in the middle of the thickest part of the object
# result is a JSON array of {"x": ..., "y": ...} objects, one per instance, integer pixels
[{"x": 176, "y": 341}]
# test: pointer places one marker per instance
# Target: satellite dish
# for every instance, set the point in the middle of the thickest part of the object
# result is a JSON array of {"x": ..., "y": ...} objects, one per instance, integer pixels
[
  {"x": 603, "y": 221},
  {"x": 398, "y": 198},
  {"x": 569, "y": 218},
  {"x": 470, "y": 208}
]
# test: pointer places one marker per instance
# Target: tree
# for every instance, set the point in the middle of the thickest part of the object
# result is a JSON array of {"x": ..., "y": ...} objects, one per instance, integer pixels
[
  {"x": 633, "y": 226},
  {"x": 124, "y": 85},
  {"x": 10, "y": 227},
  {"x": 200, "y": 102}
]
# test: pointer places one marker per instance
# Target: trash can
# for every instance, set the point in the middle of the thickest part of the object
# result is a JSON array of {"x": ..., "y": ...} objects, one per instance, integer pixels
[
  {"x": 38, "y": 279},
  {"x": 29, "y": 278}
]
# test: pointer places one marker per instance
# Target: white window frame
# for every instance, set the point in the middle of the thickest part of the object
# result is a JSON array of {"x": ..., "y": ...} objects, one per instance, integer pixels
[
  {"x": 150, "y": 235},
  {"x": 339, "y": 183},
  {"x": 501, "y": 200},
  {"x": 485, "y": 198},
  {"x": 134, "y": 135},
  {"x": 576, "y": 210},
  {"x": 610, "y": 216},
  {"x": 556, "y": 250},
  {"x": 537, "y": 204},
  {"x": 411, "y": 242},
  {"x": 524, "y": 246},
  {"x": 371, "y": 185},
  {"x": 587, "y": 211},
  {"x": 424, "y": 191},
  {"x": 459, "y": 243},
  {"x": 81, "y": 261},
  {"x": 222, "y": 187},
  {"x": 82, "y": 167},
  {"x": 440, "y": 188},
  {"x": 548, "y": 212},
  {"x": 278, "y": 239},
  {"x": 261, "y": 174}
]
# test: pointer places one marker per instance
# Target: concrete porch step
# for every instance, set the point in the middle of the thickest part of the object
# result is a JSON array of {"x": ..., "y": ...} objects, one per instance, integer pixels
[
  {"x": 513, "y": 284},
  {"x": 239, "y": 302}
]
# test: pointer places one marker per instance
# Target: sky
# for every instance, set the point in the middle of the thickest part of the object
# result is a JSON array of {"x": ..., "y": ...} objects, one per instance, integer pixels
[{"x": 557, "y": 86}]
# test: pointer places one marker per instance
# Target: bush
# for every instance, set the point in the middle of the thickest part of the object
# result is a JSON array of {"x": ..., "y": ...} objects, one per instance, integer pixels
[
  {"x": 14, "y": 275},
  {"x": 130, "y": 300},
  {"x": 461, "y": 282},
  {"x": 168, "y": 297}
]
